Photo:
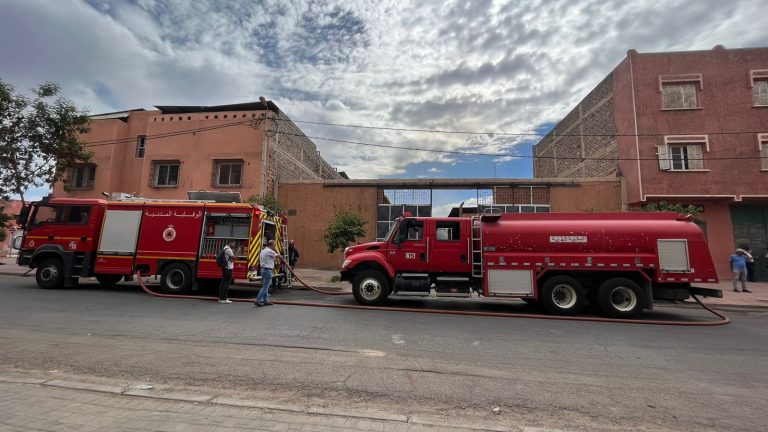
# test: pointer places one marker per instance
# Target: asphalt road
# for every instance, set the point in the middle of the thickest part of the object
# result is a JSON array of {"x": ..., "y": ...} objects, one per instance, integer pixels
[{"x": 542, "y": 373}]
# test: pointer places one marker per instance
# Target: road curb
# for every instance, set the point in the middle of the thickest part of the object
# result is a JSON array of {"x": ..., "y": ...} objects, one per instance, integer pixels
[{"x": 180, "y": 396}]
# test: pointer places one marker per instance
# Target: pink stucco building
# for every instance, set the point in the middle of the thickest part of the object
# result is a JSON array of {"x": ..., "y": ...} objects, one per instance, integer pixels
[
  {"x": 681, "y": 127},
  {"x": 248, "y": 148}
]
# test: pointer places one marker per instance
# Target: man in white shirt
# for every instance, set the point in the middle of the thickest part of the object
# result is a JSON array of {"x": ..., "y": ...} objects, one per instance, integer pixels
[
  {"x": 267, "y": 263},
  {"x": 226, "y": 272}
]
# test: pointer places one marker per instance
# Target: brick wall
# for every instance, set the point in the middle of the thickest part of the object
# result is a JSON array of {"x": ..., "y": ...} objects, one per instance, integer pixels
[
  {"x": 293, "y": 157},
  {"x": 583, "y": 135}
]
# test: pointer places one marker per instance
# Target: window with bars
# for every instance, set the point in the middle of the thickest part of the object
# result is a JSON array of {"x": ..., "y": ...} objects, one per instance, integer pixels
[
  {"x": 166, "y": 174},
  {"x": 141, "y": 146},
  {"x": 228, "y": 173},
  {"x": 679, "y": 96},
  {"x": 680, "y": 157},
  {"x": 760, "y": 92},
  {"x": 81, "y": 176}
]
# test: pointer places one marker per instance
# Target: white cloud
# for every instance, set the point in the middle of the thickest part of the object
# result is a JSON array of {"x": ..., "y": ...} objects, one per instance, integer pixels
[{"x": 449, "y": 64}]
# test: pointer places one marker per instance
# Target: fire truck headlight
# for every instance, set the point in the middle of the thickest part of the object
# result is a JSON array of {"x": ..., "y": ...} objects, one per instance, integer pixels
[{"x": 345, "y": 263}]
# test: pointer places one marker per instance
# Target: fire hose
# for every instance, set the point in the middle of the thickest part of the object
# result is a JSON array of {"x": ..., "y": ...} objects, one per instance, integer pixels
[{"x": 722, "y": 321}]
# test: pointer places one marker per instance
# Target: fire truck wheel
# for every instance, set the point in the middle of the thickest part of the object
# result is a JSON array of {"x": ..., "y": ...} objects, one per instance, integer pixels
[
  {"x": 176, "y": 279},
  {"x": 108, "y": 280},
  {"x": 50, "y": 274},
  {"x": 370, "y": 288},
  {"x": 562, "y": 295},
  {"x": 621, "y": 298}
]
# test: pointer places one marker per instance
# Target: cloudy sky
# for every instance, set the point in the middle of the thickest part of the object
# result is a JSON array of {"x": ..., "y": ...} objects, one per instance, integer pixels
[{"x": 474, "y": 65}]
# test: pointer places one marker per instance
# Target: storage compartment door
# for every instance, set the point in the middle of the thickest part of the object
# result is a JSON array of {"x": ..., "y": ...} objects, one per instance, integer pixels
[
  {"x": 121, "y": 229},
  {"x": 673, "y": 255},
  {"x": 510, "y": 282},
  {"x": 117, "y": 245}
]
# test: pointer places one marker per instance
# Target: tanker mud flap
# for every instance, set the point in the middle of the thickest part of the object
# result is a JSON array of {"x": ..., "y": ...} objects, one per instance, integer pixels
[{"x": 706, "y": 292}]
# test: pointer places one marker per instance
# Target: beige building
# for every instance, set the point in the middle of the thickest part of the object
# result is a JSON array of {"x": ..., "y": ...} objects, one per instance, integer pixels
[{"x": 248, "y": 148}]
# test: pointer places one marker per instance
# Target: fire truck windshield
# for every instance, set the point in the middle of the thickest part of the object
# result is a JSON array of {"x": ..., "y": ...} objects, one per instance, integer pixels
[
  {"x": 60, "y": 215},
  {"x": 392, "y": 228}
]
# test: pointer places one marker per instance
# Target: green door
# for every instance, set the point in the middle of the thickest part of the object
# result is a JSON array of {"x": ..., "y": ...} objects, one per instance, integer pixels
[{"x": 750, "y": 227}]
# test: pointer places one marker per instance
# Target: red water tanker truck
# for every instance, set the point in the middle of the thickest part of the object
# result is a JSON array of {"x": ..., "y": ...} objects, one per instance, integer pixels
[{"x": 621, "y": 262}]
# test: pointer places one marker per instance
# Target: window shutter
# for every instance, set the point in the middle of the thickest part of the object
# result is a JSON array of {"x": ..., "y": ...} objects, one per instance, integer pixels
[
  {"x": 760, "y": 92},
  {"x": 662, "y": 151},
  {"x": 764, "y": 155},
  {"x": 695, "y": 157}
]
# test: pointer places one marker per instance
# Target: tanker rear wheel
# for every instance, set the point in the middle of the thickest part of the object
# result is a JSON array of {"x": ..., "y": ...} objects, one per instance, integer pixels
[
  {"x": 562, "y": 295},
  {"x": 621, "y": 298}
]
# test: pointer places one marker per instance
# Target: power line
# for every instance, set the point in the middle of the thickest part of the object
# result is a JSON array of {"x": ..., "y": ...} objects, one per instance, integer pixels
[
  {"x": 90, "y": 144},
  {"x": 517, "y": 134},
  {"x": 500, "y": 154},
  {"x": 163, "y": 135}
]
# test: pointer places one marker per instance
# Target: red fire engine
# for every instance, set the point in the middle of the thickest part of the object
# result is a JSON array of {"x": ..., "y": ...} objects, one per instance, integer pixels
[
  {"x": 619, "y": 261},
  {"x": 67, "y": 239}
]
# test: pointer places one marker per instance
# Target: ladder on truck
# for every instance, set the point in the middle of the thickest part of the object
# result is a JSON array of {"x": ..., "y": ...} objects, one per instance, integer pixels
[
  {"x": 477, "y": 247},
  {"x": 490, "y": 214}
]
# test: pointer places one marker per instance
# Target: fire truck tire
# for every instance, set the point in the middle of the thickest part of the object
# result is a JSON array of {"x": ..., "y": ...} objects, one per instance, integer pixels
[
  {"x": 621, "y": 298},
  {"x": 370, "y": 288},
  {"x": 109, "y": 279},
  {"x": 50, "y": 274},
  {"x": 176, "y": 279},
  {"x": 562, "y": 295}
]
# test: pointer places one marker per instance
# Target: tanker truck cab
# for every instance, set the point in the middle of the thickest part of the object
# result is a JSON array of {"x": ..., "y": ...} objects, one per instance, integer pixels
[
  {"x": 620, "y": 262},
  {"x": 420, "y": 257}
]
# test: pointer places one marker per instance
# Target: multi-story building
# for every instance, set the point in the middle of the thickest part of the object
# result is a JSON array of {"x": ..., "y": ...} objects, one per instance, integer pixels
[
  {"x": 680, "y": 127},
  {"x": 248, "y": 148}
]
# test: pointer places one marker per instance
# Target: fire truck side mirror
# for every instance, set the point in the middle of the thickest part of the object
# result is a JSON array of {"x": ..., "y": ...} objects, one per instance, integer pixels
[
  {"x": 24, "y": 215},
  {"x": 17, "y": 242}
]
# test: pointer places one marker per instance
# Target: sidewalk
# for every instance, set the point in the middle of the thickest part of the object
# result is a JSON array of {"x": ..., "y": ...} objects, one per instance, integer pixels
[
  {"x": 34, "y": 401},
  {"x": 322, "y": 279}
]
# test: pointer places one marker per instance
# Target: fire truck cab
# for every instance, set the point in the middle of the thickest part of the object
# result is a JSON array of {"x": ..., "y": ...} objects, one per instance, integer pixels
[{"x": 66, "y": 239}]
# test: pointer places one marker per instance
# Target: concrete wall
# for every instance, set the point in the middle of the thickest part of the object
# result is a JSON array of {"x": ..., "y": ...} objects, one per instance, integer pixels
[
  {"x": 593, "y": 196},
  {"x": 311, "y": 206}
]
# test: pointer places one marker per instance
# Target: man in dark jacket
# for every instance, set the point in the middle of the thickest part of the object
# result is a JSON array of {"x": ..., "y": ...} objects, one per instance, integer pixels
[{"x": 293, "y": 255}]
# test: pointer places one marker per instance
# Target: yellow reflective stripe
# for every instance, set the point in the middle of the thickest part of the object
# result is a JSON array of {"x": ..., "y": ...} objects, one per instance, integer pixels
[
  {"x": 254, "y": 249},
  {"x": 165, "y": 257},
  {"x": 58, "y": 238}
]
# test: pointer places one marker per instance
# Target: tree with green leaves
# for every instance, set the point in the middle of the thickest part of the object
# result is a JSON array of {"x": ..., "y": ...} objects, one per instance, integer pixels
[
  {"x": 267, "y": 201},
  {"x": 39, "y": 138},
  {"x": 343, "y": 230},
  {"x": 682, "y": 209},
  {"x": 4, "y": 219}
]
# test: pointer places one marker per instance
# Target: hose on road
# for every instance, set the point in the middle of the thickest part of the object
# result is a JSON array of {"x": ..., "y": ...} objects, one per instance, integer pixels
[{"x": 722, "y": 321}]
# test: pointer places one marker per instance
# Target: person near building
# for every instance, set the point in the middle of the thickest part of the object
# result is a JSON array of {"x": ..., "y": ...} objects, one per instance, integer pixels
[
  {"x": 226, "y": 261},
  {"x": 267, "y": 259},
  {"x": 293, "y": 255},
  {"x": 750, "y": 264},
  {"x": 739, "y": 268}
]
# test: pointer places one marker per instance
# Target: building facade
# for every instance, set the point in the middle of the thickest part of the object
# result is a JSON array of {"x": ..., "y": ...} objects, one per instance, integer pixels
[
  {"x": 248, "y": 148},
  {"x": 680, "y": 127}
]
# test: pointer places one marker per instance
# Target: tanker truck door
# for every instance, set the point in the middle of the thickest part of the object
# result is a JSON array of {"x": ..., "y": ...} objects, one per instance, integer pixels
[
  {"x": 450, "y": 246},
  {"x": 408, "y": 247}
]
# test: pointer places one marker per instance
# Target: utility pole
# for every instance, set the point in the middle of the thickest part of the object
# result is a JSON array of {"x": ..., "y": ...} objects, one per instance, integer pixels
[{"x": 263, "y": 119}]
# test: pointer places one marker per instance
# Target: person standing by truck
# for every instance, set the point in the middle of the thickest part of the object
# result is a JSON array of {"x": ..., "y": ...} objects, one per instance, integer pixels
[
  {"x": 226, "y": 260},
  {"x": 267, "y": 262},
  {"x": 293, "y": 255},
  {"x": 739, "y": 268}
]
